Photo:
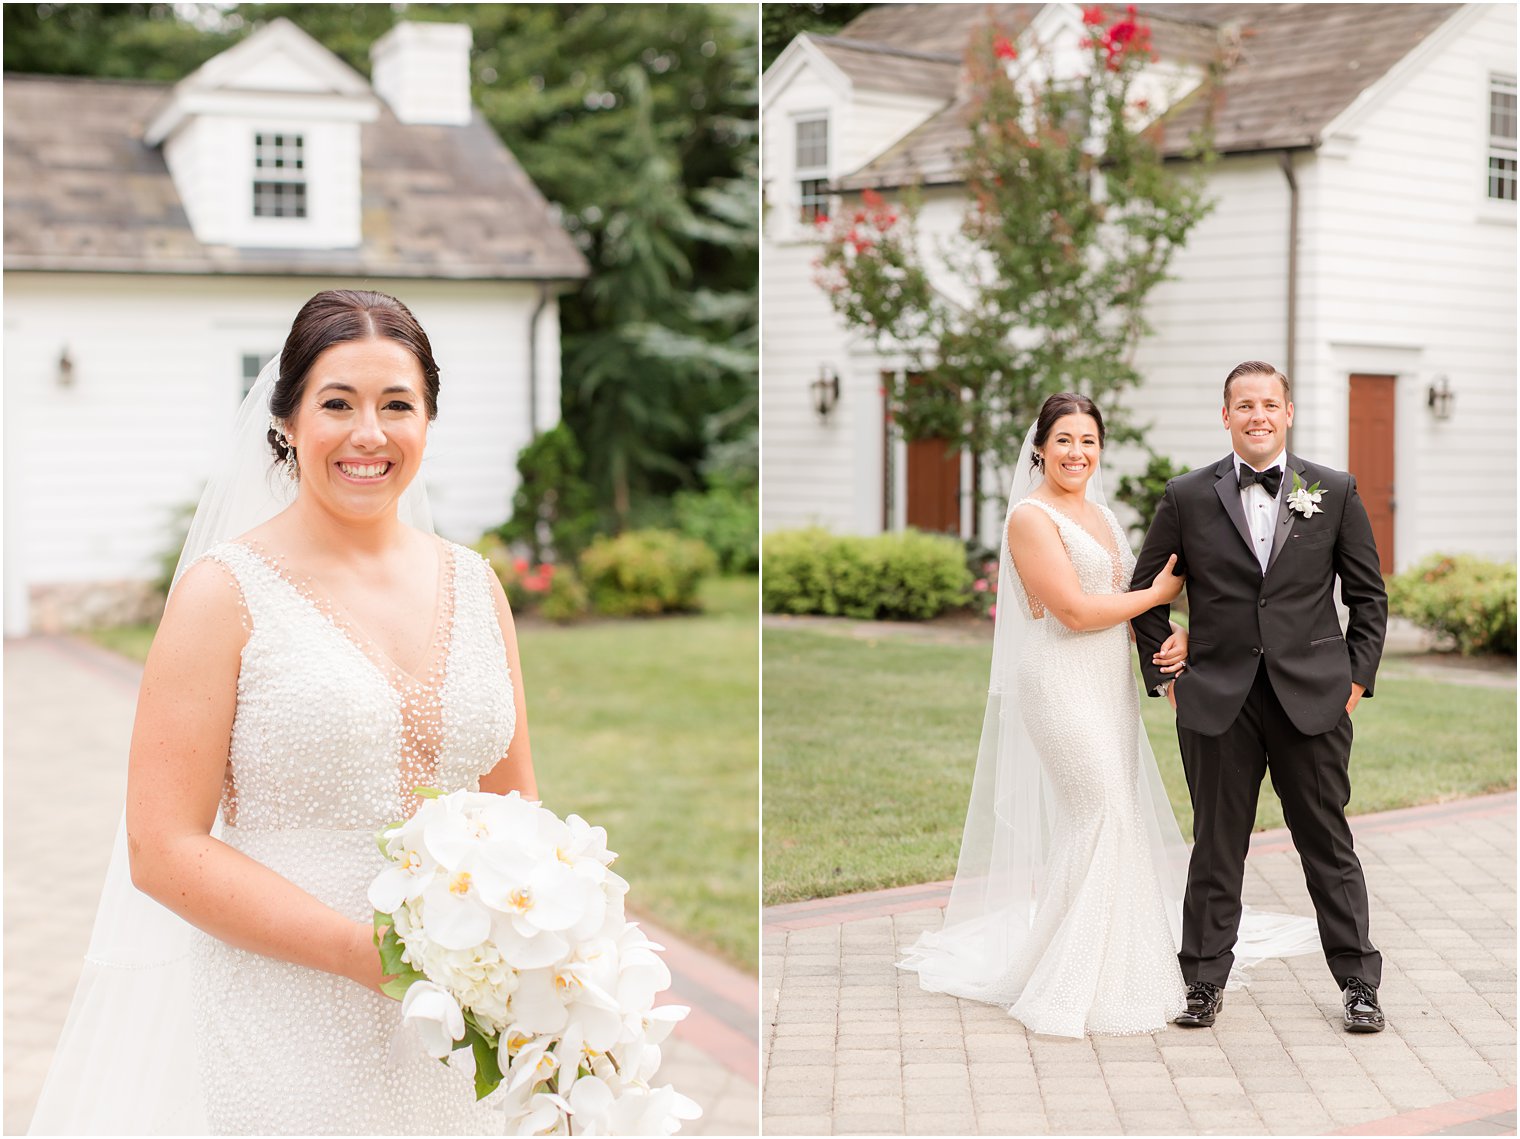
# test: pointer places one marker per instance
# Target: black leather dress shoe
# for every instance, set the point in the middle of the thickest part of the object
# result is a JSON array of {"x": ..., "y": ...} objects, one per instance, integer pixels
[
  {"x": 1362, "y": 1012},
  {"x": 1204, "y": 1002}
]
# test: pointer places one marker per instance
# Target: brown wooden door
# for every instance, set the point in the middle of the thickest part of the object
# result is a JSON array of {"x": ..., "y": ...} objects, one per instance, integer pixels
[
  {"x": 1371, "y": 457},
  {"x": 934, "y": 486}
]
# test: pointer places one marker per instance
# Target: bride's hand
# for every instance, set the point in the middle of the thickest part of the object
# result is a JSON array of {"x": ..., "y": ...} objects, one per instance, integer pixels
[
  {"x": 1172, "y": 656},
  {"x": 1167, "y": 586}
]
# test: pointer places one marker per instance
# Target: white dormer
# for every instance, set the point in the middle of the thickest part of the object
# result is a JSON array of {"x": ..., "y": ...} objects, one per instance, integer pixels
[{"x": 263, "y": 143}]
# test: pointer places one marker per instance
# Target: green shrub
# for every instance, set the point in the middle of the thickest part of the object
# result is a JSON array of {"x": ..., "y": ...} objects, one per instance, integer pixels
[
  {"x": 567, "y": 599},
  {"x": 645, "y": 572},
  {"x": 553, "y": 511},
  {"x": 551, "y": 590},
  {"x": 902, "y": 576},
  {"x": 1469, "y": 598},
  {"x": 727, "y": 519},
  {"x": 1143, "y": 493}
]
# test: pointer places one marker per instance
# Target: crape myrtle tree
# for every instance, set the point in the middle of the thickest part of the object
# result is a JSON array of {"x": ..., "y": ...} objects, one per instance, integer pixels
[{"x": 1071, "y": 218}]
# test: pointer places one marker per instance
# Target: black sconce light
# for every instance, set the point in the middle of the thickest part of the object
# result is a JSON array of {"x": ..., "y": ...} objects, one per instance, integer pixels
[
  {"x": 1440, "y": 398},
  {"x": 65, "y": 368},
  {"x": 825, "y": 391}
]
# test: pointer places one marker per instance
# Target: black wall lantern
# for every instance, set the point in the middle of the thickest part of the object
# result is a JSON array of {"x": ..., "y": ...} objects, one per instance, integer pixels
[
  {"x": 1440, "y": 398},
  {"x": 65, "y": 369},
  {"x": 825, "y": 391}
]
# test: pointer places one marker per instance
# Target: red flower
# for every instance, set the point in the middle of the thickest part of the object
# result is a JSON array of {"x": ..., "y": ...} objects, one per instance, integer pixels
[
  {"x": 872, "y": 199},
  {"x": 821, "y": 220},
  {"x": 1092, "y": 17},
  {"x": 519, "y": 565},
  {"x": 1003, "y": 48}
]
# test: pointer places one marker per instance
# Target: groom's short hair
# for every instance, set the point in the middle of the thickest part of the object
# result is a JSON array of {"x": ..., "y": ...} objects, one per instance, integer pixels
[{"x": 1255, "y": 368}]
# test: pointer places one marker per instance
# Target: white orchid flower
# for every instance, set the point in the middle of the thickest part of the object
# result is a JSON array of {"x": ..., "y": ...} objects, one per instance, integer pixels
[{"x": 433, "y": 1013}]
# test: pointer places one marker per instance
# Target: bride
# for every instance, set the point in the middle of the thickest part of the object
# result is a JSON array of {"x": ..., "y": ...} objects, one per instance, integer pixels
[
  {"x": 307, "y": 676},
  {"x": 1067, "y": 901}
]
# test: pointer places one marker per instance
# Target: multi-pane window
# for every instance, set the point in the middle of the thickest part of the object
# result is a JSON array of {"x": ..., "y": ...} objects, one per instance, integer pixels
[
  {"x": 279, "y": 179},
  {"x": 812, "y": 167},
  {"x": 253, "y": 364},
  {"x": 1501, "y": 137}
]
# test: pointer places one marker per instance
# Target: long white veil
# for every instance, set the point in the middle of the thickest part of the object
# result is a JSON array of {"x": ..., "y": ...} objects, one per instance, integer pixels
[
  {"x": 1007, "y": 838},
  {"x": 126, "y": 1062}
]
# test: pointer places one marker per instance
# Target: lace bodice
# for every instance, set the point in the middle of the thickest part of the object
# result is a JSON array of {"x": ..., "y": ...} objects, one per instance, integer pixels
[
  {"x": 331, "y": 734},
  {"x": 1097, "y": 570}
]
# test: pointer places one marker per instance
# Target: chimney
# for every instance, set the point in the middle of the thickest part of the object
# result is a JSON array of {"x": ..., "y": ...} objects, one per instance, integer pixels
[{"x": 422, "y": 71}]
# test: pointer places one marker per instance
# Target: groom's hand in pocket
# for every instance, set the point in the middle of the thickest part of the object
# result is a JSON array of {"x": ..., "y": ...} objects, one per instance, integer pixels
[
  {"x": 1171, "y": 695},
  {"x": 1356, "y": 697}
]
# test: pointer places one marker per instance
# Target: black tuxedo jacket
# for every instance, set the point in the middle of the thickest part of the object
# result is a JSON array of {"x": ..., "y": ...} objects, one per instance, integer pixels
[{"x": 1238, "y": 615}]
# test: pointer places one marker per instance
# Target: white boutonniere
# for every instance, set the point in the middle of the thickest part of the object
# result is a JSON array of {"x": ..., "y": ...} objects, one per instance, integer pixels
[{"x": 1305, "y": 499}]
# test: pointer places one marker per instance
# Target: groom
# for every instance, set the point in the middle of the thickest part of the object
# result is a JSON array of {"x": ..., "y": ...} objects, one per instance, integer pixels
[{"x": 1270, "y": 682}]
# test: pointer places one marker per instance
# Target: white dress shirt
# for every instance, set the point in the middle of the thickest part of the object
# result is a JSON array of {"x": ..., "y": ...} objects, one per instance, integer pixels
[{"x": 1261, "y": 507}]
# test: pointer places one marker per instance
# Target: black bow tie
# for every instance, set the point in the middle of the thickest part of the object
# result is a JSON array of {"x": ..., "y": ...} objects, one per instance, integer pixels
[{"x": 1270, "y": 479}]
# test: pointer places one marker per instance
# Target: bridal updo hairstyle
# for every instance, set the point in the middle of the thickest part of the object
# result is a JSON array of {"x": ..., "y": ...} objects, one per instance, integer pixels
[
  {"x": 333, "y": 317},
  {"x": 1255, "y": 368},
  {"x": 1062, "y": 403}
]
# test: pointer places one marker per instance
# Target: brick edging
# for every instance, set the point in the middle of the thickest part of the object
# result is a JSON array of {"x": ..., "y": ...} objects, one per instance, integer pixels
[
  {"x": 1428, "y": 1120},
  {"x": 843, "y": 908}
]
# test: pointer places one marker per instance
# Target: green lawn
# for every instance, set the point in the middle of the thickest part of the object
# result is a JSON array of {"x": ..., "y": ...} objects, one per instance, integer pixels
[
  {"x": 648, "y": 727},
  {"x": 870, "y": 745}
]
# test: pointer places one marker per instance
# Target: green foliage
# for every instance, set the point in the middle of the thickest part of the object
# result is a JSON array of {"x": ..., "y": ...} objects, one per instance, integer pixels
[
  {"x": 1143, "y": 493},
  {"x": 549, "y": 589},
  {"x": 1072, "y": 218},
  {"x": 112, "y": 41},
  {"x": 645, "y": 572},
  {"x": 1468, "y": 598},
  {"x": 167, "y": 558},
  {"x": 902, "y": 576},
  {"x": 553, "y": 512},
  {"x": 727, "y": 520}
]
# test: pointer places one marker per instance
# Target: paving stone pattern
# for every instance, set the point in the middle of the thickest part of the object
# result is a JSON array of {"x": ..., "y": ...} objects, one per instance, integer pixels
[{"x": 853, "y": 1046}]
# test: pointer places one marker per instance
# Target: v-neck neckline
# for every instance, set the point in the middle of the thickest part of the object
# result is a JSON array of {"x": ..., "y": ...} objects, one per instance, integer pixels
[
  {"x": 1113, "y": 555},
  {"x": 354, "y": 634}
]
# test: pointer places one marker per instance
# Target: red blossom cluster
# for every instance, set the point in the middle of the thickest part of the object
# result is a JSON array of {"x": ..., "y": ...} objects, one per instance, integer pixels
[
  {"x": 535, "y": 579},
  {"x": 1003, "y": 48},
  {"x": 1125, "y": 37}
]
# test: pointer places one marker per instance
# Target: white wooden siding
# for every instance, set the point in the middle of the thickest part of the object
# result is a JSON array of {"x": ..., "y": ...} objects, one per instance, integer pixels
[
  {"x": 1413, "y": 272},
  {"x": 156, "y": 385}
]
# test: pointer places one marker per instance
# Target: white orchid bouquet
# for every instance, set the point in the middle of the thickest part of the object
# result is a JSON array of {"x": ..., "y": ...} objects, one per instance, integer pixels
[{"x": 502, "y": 928}]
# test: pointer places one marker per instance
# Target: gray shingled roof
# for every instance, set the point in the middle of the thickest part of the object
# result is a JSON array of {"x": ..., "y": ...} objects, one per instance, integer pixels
[
  {"x": 83, "y": 193},
  {"x": 1298, "y": 67},
  {"x": 885, "y": 67}
]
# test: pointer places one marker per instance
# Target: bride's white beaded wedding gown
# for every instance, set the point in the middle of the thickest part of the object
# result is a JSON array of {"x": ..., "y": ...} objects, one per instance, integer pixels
[
  {"x": 1099, "y": 955},
  {"x": 329, "y": 741}
]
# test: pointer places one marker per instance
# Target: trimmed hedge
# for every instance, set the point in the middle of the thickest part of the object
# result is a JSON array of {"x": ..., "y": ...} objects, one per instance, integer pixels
[
  {"x": 903, "y": 576},
  {"x": 1469, "y": 598},
  {"x": 645, "y": 572}
]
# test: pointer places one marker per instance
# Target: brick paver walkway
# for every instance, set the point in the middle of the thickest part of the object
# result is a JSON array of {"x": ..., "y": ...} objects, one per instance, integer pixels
[
  {"x": 68, "y": 719},
  {"x": 852, "y": 1045}
]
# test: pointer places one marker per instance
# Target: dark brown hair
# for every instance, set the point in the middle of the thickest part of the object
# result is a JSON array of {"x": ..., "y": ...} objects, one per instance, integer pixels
[
  {"x": 1063, "y": 403},
  {"x": 334, "y": 317},
  {"x": 1254, "y": 368}
]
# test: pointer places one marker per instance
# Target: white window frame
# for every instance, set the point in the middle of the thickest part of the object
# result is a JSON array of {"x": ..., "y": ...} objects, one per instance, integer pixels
[
  {"x": 1501, "y": 147},
  {"x": 280, "y": 163},
  {"x": 819, "y": 201}
]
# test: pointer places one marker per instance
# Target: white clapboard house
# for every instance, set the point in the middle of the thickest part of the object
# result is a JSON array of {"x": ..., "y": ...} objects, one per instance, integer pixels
[
  {"x": 1363, "y": 239},
  {"x": 159, "y": 240}
]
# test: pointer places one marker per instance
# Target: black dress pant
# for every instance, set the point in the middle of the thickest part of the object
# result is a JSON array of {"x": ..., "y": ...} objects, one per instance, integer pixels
[{"x": 1312, "y": 778}]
